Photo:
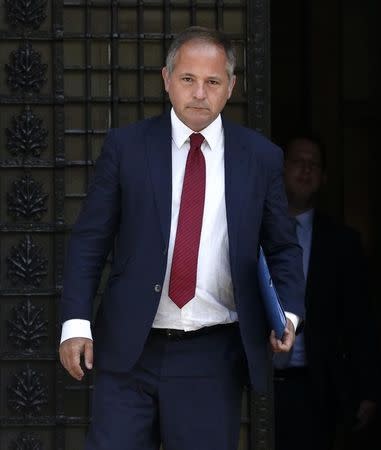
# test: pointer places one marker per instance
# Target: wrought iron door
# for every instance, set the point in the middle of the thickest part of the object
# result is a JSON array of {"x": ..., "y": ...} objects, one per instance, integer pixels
[{"x": 70, "y": 69}]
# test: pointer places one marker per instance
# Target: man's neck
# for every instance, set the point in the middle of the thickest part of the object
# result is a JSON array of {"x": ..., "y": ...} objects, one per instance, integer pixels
[{"x": 297, "y": 210}]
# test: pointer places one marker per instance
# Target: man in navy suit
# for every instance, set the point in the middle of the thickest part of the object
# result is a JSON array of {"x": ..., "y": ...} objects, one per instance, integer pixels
[{"x": 187, "y": 198}]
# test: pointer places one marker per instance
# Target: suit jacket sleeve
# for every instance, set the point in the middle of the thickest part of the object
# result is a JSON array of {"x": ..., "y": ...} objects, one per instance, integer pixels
[
  {"x": 92, "y": 236},
  {"x": 279, "y": 241}
]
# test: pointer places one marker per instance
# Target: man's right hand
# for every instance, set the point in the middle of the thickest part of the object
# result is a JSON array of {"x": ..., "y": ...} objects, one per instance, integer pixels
[{"x": 70, "y": 355}]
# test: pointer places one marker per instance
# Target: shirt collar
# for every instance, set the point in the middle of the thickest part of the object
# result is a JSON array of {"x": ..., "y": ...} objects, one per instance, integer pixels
[
  {"x": 305, "y": 219},
  {"x": 213, "y": 133}
]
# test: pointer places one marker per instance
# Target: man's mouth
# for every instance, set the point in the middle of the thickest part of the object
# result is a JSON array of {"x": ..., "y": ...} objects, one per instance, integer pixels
[{"x": 198, "y": 107}]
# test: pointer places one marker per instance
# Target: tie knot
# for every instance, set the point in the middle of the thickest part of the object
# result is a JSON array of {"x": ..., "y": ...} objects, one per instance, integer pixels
[{"x": 196, "y": 139}]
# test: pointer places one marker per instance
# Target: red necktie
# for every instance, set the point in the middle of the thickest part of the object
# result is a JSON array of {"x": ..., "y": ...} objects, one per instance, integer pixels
[{"x": 182, "y": 283}]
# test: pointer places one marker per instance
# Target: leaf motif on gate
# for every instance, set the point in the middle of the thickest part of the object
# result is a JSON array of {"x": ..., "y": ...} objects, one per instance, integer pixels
[
  {"x": 27, "y": 13},
  {"x": 26, "y": 137},
  {"x": 28, "y": 393},
  {"x": 26, "y": 441},
  {"x": 27, "y": 199},
  {"x": 25, "y": 71},
  {"x": 27, "y": 328},
  {"x": 26, "y": 263}
]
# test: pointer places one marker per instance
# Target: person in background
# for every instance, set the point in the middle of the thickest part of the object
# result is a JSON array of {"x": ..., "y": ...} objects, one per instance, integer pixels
[{"x": 330, "y": 375}]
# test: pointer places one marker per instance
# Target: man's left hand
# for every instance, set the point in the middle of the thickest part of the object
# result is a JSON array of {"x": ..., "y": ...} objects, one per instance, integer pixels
[
  {"x": 287, "y": 341},
  {"x": 365, "y": 414}
]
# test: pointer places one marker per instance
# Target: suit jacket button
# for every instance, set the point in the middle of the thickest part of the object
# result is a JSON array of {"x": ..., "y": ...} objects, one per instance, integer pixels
[{"x": 157, "y": 288}]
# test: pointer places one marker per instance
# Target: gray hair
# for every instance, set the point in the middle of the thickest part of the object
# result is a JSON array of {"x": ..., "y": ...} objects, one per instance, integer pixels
[{"x": 207, "y": 36}]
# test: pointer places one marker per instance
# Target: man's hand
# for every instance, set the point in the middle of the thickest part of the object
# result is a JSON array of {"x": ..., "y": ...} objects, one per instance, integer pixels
[
  {"x": 287, "y": 341},
  {"x": 365, "y": 414},
  {"x": 70, "y": 355}
]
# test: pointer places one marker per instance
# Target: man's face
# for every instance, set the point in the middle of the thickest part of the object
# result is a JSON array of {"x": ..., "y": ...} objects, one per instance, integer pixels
[
  {"x": 303, "y": 174},
  {"x": 199, "y": 85}
]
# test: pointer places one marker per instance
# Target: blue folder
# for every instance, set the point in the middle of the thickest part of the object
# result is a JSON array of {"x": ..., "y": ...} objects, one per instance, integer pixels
[{"x": 274, "y": 309}]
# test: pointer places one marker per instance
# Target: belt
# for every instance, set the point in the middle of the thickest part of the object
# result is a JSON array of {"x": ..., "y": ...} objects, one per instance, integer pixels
[
  {"x": 172, "y": 333},
  {"x": 290, "y": 373}
]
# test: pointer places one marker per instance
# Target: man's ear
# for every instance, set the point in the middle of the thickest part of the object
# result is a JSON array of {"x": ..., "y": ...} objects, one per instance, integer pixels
[
  {"x": 231, "y": 85},
  {"x": 166, "y": 78}
]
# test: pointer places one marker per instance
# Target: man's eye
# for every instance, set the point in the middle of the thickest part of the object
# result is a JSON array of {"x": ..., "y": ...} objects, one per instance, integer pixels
[
  {"x": 187, "y": 79},
  {"x": 213, "y": 82}
]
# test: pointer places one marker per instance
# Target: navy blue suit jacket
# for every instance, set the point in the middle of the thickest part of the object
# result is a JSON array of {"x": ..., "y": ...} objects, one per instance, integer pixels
[{"x": 130, "y": 199}]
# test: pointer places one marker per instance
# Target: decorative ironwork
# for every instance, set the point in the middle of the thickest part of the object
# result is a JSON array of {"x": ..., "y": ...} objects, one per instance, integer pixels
[
  {"x": 258, "y": 65},
  {"x": 26, "y": 441},
  {"x": 27, "y": 329},
  {"x": 26, "y": 263},
  {"x": 27, "y": 137},
  {"x": 26, "y": 85},
  {"x": 25, "y": 71},
  {"x": 26, "y": 13},
  {"x": 29, "y": 393},
  {"x": 27, "y": 200}
]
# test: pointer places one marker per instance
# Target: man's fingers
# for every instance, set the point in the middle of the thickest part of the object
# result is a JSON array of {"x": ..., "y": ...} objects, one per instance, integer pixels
[
  {"x": 283, "y": 345},
  {"x": 75, "y": 369},
  {"x": 276, "y": 344},
  {"x": 287, "y": 340},
  {"x": 365, "y": 414},
  {"x": 72, "y": 359},
  {"x": 70, "y": 355},
  {"x": 89, "y": 355}
]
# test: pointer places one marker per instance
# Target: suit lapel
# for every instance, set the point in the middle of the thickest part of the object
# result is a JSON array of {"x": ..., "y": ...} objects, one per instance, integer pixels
[
  {"x": 237, "y": 164},
  {"x": 159, "y": 151}
]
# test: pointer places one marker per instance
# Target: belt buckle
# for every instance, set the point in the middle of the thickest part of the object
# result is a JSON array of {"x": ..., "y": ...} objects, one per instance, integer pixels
[{"x": 174, "y": 334}]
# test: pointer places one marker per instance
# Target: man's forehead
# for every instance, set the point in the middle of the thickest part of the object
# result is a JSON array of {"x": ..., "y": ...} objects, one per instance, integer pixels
[
  {"x": 206, "y": 48},
  {"x": 303, "y": 148}
]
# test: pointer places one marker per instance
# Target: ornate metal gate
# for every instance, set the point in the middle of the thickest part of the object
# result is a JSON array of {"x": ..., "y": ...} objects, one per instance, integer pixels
[{"x": 70, "y": 69}]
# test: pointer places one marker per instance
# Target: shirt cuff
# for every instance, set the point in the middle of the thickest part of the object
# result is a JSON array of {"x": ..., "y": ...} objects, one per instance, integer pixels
[
  {"x": 294, "y": 319},
  {"x": 76, "y": 328}
]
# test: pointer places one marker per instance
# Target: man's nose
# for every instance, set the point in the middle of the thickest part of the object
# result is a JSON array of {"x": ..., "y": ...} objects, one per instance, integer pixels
[
  {"x": 307, "y": 167},
  {"x": 199, "y": 91}
]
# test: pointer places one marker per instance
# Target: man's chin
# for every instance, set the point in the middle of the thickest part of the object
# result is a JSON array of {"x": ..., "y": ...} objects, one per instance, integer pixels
[{"x": 197, "y": 121}]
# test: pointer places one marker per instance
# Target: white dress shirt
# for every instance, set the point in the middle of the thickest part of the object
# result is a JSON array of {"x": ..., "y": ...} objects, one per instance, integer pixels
[{"x": 214, "y": 301}]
